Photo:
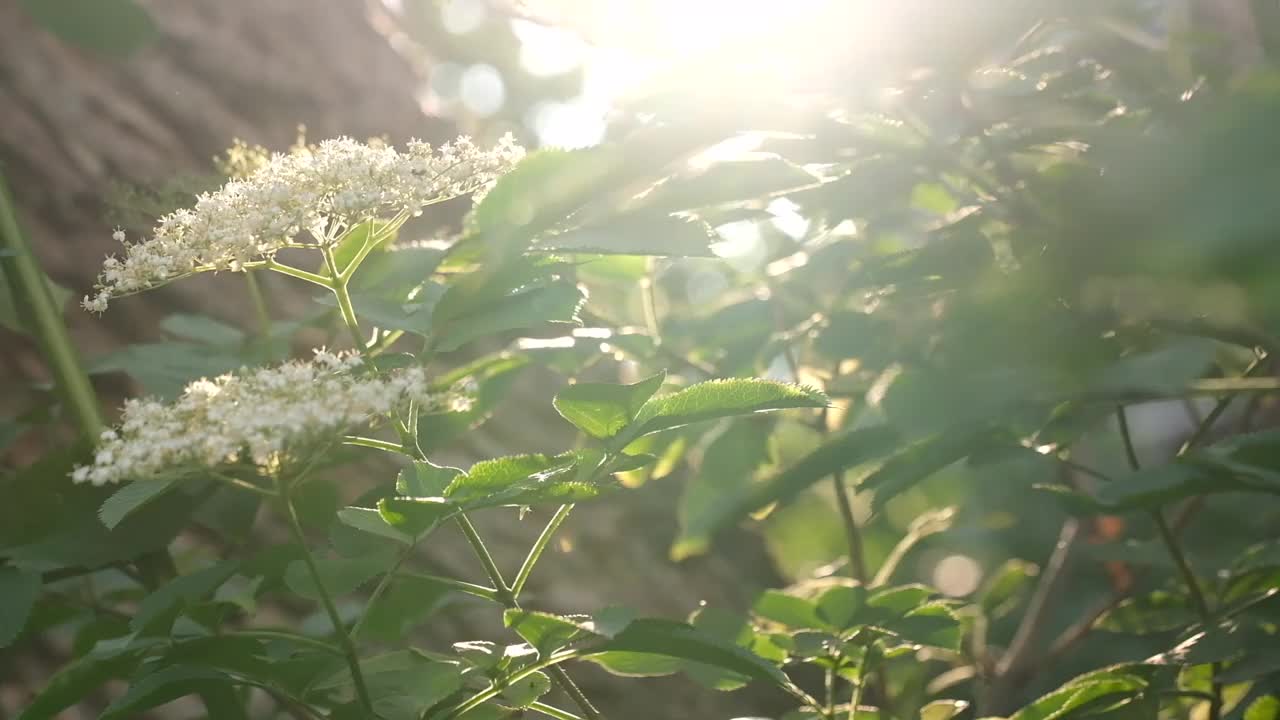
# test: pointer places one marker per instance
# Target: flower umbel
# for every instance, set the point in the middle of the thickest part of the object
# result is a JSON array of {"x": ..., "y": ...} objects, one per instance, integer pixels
[
  {"x": 265, "y": 416},
  {"x": 321, "y": 191}
]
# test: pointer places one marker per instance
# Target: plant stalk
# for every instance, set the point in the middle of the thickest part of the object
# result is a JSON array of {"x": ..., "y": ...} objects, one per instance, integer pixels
[
  {"x": 344, "y": 639},
  {"x": 509, "y": 601},
  {"x": 31, "y": 293},
  {"x": 340, "y": 292},
  {"x": 1175, "y": 549}
]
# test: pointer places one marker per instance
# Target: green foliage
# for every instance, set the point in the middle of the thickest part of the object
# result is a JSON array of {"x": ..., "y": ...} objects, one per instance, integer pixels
[{"x": 964, "y": 282}]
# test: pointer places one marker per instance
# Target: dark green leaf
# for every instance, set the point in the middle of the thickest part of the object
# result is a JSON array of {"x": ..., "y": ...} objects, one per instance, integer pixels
[
  {"x": 339, "y": 575},
  {"x": 846, "y": 450},
  {"x": 920, "y": 460},
  {"x": 602, "y": 410},
  {"x": 130, "y": 498},
  {"x": 158, "y": 610},
  {"x": 19, "y": 590},
  {"x": 201, "y": 329},
  {"x": 164, "y": 685}
]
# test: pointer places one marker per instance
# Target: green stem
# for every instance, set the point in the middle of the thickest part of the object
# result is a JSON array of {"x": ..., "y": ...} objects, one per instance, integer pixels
[
  {"x": 292, "y": 271},
  {"x": 375, "y": 443},
  {"x": 864, "y": 666},
  {"x": 344, "y": 639},
  {"x": 31, "y": 292},
  {"x": 509, "y": 600},
  {"x": 374, "y": 240},
  {"x": 260, "y": 311},
  {"x": 339, "y": 285},
  {"x": 479, "y": 591},
  {"x": 1175, "y": 551},
  {"x": 539, "y": 546},
  {"x": 853, "y": 536}
]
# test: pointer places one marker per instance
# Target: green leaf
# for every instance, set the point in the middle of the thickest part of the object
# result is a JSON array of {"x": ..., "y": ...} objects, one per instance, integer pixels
[
  {"x": 164, "y": 685},
  {"x": 731, "y": 181},
  {"x": 556, "y": 303},
  {"x": 115, "y": 28},
  {"x": 641, "y": 233},
  {"x": 848, "y": 449},
  {"x": 602, "y": 410},
  {"x": 527, "y": 690},
  {"x": 339, "y": 575},
  {"x": 1266, "y": 707},
  {"x": 377, "y": 232},
  {"x": 1158, "y": 485},
  {"x": 674, "y": 639},
  {"x": 920, "y": 460},
  {"x": 943, "y": 709},
  {"x": 897, "y": 601},
  {"x": 130, "y": 498},
  {"x": 425, "y": 479},
  {"x": 1154, "y": 612},
  {"x": 201, "y": 329},
  {"x": 402, "y": 682},
  {"x": 1004, "y": 586},
  {"x": 19, "y": 590},
  {"x": 632, "y": 664},
  {"x": 158, "y": 610},
  {"x": 794, "y": 612},
  {"x": 548, "y": 632},
  {"x": 414, "y": 516},
  {"x": 924, "y": 525},
  {"x": 164, "y": 369},
  {"x": 75, "y": 680},
  {"x": 716, "y": 399},
  {"x": 532, "y": 479},
  {"x": 373, "y": 522},
  {"x": 1114, "y": 683},
  {"x": 488, "y": 478},
  {"x": 723, "y": 481},
  {"x": 839, "y": 606}
]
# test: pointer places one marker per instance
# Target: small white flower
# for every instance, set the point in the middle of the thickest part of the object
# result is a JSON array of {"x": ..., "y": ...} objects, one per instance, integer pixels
[
  {"x": 267, "y": 416},
  {"x": 322, "y": 192}
]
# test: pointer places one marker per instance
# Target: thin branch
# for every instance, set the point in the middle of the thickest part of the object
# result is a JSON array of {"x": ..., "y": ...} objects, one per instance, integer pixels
[
  {"x": 1175, "y": 549},
  {"x": 344, "y": 639},
  {"x": 526, "y": 568}
]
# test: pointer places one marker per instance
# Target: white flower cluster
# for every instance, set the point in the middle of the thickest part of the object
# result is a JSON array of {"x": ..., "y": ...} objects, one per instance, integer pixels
[
  {"x": 266, "y": 415},
  {"x": 324, "y": 190}
]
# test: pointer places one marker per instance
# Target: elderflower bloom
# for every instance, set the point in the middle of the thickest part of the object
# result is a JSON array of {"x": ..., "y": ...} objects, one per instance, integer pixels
[
  {"x": 266, "y": 416},
  {"x": 323, "y": 191}
]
